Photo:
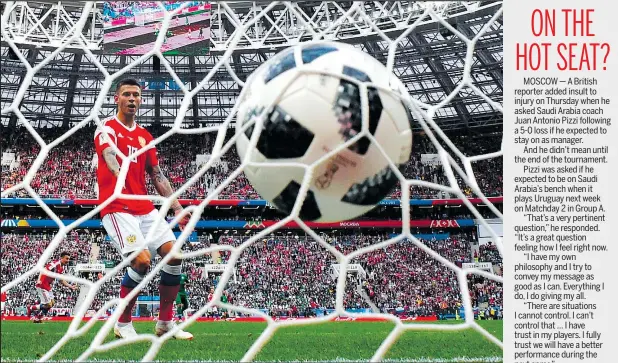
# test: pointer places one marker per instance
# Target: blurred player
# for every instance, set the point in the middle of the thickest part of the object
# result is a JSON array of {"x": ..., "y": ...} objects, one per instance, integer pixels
[
  {"x": 182, "y": 302},
  {"x": 2, "y": 301},
  {"x": 224, "y": 314},
  {"x": 45, "y": 283},
  {"x": 128, "y": 221},
  {"x": 211, "y": 311}
]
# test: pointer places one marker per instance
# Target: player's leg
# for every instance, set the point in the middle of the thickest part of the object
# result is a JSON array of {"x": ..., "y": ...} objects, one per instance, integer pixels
[
  {"x": 178, "y": 304},
  {"x": 178, "y": 311},
  {"x": 182, "y": 304},
  {"x": 33, "y": 309},
  {"x": 185, "y": 302},
  {"x": 47, "y": 301},
  {"x": 169, "y": 284},
  {"x": 126, "y": 235}
]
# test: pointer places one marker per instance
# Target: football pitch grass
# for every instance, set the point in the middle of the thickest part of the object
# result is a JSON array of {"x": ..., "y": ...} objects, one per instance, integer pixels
[{"x": 228, "y": 341}]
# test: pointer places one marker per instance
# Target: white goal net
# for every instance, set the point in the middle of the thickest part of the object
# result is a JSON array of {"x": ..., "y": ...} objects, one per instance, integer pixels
[{"x": 455, "y": 166}]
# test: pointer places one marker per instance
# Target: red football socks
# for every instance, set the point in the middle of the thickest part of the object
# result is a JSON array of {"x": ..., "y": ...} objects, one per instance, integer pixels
[
  {"x": 168, "y": 296},
  {"x": 126, "y": 314}
]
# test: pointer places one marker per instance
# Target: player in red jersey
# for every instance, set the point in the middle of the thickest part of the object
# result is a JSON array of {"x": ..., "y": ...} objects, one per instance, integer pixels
[
  {"x": 45, "y": 283},
  {"x": 212, "y": 311},
  {"x": 127, "y": 221}
]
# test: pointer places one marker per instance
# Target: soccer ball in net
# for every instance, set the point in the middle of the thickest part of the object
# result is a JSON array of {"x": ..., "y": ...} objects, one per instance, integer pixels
[{"x": 309, "y": 111}]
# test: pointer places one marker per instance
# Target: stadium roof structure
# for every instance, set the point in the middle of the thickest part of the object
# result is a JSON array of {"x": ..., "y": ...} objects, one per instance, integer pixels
[{"x": 430, "y": 60}]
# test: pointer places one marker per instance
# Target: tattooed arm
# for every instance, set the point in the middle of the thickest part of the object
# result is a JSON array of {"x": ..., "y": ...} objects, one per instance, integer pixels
[
  {"x": 162, "y": 185},
  {"x": 110, "y": 159}
]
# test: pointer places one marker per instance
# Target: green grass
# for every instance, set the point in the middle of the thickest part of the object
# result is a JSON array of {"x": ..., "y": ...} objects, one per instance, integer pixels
[{"x": 228, "y": 341}]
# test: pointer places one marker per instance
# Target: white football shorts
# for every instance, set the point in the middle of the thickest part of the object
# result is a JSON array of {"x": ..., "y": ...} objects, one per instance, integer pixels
[
  {"x": 128, "y": 232},
  {"x": 44, "y": 296}
]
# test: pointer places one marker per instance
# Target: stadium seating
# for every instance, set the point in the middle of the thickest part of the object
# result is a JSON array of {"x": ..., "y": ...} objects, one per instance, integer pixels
[
  {"x": 75, "y": 177},
  {"x": 284, "y": 272},
  {"x": 20, "y": 252}
]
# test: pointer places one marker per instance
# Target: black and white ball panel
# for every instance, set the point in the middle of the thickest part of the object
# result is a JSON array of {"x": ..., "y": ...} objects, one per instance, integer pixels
[
  {"x": 287, "y": 198},
  {"x": 312, "y": 52},
  {"x": 285, "y": 61},
  {"x": 282, "y": 62},
  {"x": 283, "y": 137},
  {"x": 315, "y": 115},
  {"x": 373, "y": 189}
]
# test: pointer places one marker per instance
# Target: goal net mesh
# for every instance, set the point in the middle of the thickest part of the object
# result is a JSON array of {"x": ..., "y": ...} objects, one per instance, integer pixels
[{"x": 455, "y": 166}]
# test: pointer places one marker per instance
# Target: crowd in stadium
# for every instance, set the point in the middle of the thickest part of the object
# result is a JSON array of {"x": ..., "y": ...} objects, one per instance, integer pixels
[
  {"x": 62, "y": 177},
  {"x": 19, "y": 252},
  {"x": 284, "y": 273},
  {"x": 489, "y": 253}
]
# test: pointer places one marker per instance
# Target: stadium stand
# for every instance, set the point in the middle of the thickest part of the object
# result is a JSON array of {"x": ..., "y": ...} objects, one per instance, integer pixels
[
  {"x": 286, "y": 274},
  {"x": 60, "y": 177}
]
